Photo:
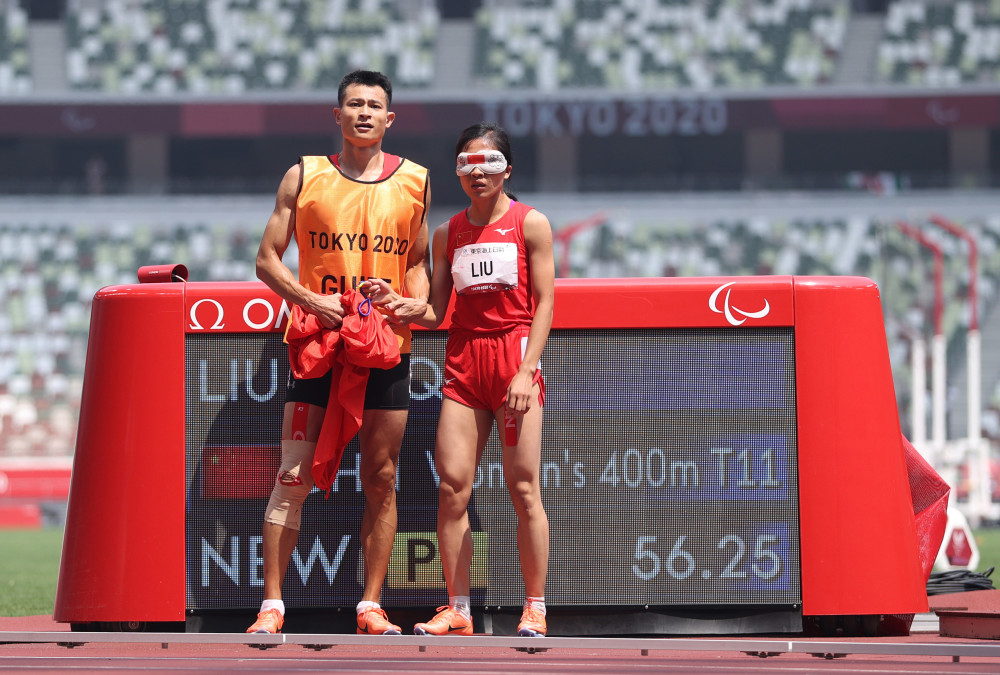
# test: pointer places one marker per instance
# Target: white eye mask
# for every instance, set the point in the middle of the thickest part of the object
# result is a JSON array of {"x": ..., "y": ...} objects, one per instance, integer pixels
[{"x": 489, "y": 161}]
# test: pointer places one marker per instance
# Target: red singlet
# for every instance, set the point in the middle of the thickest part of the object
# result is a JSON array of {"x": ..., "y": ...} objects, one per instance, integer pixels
[{"x": 489, "y": 268}]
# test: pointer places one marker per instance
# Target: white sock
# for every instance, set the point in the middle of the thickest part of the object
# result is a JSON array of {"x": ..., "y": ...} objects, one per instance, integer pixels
[
  {"x": 461, "y": 604},
  {"x": 273, "y": 604},
  {"x": 537, "y": 603},
  {"x": 367, "y": 604}
]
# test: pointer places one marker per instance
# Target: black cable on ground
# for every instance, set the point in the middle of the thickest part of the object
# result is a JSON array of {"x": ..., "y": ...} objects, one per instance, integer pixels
[{"x": 959, "y": 581}]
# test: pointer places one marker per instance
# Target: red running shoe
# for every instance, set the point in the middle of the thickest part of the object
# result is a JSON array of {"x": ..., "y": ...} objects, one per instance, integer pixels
[
  {"x": 532, "y": 623},
  {"x": 268, "y": 621},
  {"x": 446, "y": 622},
  {"x": 373, "y": 621}
]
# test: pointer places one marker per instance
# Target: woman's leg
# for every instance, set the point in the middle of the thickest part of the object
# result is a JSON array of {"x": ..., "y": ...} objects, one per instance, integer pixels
[
  {"x": 522, "y": 469},
  {"x": 461, "y": 436}
]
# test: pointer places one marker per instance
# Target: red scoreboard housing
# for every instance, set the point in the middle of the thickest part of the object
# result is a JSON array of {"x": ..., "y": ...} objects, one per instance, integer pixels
[{"x": 715, "y": 448}]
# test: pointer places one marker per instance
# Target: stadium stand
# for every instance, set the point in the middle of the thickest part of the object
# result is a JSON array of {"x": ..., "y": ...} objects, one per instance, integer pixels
[
  {"x": 855, "y": 245},
  {"x": 236, "y": 46},
  {"x": 54, "y": 262},
  {"x": 242, "y": 46},
  {"x": 941, "y": 43},
  {"x": 51, "y": 268},
  {"x": 658, "y": 44},
  {"x": 15, "y": 75}
]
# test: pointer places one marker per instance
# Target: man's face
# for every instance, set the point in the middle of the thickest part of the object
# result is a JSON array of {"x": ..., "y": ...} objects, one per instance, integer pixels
[{"x": 365, "y": 115}]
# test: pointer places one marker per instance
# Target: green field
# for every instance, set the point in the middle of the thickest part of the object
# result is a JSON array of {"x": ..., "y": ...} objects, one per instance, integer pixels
[
  {"x": 29, "y": 567},
  {"x": 988, "y": 542}
]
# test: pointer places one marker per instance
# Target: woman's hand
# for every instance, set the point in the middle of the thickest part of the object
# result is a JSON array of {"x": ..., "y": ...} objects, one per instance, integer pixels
[
  {"x": 378, "y": 290},
  {"x": 519, "y": 392}
]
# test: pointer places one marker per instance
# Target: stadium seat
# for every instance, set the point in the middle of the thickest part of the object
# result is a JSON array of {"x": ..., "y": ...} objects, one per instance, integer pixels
[
  {"x": 237, "y": 46},
  {"x": 625, "y": 246},
  {"x": 657, "y": 44},
  {"x": 941, "y": 43},
  {"x": 15, "y": 73}
]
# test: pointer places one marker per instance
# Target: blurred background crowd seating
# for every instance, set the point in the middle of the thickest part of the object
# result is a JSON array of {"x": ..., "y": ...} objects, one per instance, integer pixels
[
  {"x": 240, "y": 46},
  {"x": 53, "y": 264}
]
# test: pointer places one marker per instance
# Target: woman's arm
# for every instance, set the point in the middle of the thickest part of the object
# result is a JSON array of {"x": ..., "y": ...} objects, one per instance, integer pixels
[
  {"x": 405, "y": 309},
  {"x": 441, "y": 285},
  {"x": 441, "y": 281},
  {"x": 541, "y": 267}
]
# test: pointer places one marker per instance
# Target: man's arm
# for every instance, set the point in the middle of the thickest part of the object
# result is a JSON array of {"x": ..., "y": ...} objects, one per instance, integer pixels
[{"x": 273, "y": 271}]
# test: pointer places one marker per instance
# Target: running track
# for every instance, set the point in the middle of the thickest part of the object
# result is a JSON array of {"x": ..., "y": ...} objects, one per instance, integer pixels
[{"x": 32, "y": 645}]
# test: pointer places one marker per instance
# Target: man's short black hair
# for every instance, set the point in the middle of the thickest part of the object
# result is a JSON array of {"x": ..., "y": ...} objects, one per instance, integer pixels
[{"x": 368, "y": 78}]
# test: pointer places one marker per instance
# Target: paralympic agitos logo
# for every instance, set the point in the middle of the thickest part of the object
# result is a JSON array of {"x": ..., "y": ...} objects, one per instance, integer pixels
[{"x": 734, "y": 315}]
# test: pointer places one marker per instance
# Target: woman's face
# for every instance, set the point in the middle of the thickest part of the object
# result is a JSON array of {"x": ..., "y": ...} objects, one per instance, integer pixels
[{"x": 478, "y": 184}]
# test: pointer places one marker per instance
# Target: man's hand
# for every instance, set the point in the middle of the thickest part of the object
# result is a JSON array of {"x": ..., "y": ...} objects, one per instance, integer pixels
[{"x": 329, "y": 309}]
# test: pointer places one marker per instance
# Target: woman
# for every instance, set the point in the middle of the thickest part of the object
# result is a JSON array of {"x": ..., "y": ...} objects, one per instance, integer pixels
[{"x": 497, "y": 257}]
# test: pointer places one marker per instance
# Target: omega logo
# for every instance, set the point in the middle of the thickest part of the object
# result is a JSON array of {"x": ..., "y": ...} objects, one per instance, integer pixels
[
  {"x": 219, "y": 314},
  {"x": 729, "y": 311}
]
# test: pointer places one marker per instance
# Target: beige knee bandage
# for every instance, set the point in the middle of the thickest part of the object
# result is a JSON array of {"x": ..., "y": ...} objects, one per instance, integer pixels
[{"x": 292, "y": 485}]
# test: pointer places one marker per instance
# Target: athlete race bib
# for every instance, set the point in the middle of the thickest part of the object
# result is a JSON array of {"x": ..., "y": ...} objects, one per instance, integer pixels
[{"x": 484, "y": 268}]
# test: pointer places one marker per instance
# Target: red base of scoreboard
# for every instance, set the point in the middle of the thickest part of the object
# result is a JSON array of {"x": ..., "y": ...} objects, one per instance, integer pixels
[{"x": 849, "y": 547}]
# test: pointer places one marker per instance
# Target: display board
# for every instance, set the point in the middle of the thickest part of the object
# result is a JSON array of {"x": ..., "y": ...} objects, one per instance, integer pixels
[{"x": 668, "y": 464}]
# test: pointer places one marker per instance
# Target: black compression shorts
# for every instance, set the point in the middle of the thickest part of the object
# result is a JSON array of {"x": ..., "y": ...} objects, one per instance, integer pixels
[{"x": 387, "y": 389}]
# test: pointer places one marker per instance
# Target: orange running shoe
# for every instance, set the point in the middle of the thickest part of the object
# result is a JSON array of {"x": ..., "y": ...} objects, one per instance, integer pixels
[
  {"x": 532, "y": 623},
  {"x": 446, "y": 622},
  {"x": 373, "y": 621},
  {"x": 268, "y": 621}
]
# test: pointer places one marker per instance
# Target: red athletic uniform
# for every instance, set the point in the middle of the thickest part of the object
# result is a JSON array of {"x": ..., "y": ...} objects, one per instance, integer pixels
[{"x": 493, "y": 311}]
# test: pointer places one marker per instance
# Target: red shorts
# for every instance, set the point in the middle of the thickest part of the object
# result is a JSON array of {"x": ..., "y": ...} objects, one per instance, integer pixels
[{"x": 479, "y": 368}]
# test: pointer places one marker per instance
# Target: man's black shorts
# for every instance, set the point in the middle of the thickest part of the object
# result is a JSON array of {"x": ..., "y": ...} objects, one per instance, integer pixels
[{"x": 386, "y": 390}]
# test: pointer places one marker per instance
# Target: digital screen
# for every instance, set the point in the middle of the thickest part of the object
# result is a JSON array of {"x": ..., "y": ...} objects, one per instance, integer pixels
[{"x": 669, "y": 477}]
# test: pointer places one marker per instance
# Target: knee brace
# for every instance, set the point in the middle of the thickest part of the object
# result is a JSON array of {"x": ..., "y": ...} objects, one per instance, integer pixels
[{"x": 292, "y": 485}]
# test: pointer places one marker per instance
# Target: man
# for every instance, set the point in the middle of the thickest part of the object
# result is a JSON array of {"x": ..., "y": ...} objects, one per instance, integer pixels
[{"x": 356, "y": 215}]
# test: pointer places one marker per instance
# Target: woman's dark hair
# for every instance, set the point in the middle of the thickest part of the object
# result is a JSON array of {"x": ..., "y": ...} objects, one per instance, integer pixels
[
  {"x": 367, "y": 78},
  {"x": 494, "y": 134}
]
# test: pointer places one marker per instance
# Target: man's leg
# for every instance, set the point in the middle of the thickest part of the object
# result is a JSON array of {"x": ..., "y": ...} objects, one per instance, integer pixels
[
  {"x": 380, "y": 437},
  {"x": 276, "y": 550},
  {"x": 281, "y": 525}
]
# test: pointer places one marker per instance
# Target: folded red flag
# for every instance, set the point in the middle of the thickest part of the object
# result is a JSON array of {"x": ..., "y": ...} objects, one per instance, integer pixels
[{"x": 363, "y": 341}]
